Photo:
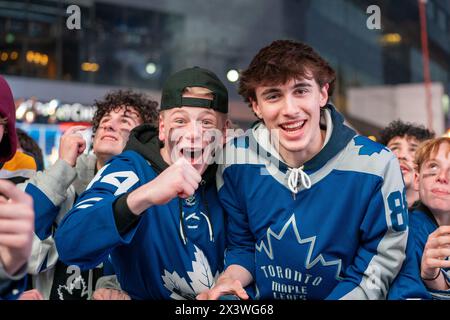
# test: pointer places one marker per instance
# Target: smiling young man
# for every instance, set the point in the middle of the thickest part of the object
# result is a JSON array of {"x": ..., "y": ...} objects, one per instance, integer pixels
[
  {"x": 314, "y": 210},
  {"x": 154, "y": 208},
  {"x": 56, "y": 189},
  {"x": 403, "y": 139}
]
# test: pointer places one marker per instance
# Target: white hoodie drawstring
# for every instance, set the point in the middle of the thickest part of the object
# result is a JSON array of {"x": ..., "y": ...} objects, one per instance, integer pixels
[{"x": 294, "y": 177}]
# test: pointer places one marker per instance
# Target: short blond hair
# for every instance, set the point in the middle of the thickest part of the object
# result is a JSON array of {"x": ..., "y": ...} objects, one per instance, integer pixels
[
  {"x": 428, "y": 149},
  {"x": 199, "y": 91}
]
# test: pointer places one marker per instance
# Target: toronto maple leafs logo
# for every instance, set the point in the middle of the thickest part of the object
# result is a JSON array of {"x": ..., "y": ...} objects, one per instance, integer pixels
[
  {"x": 201, "y": 279},
  {"x": 309, "y": 262},
  {"x": 368, "y": 147},
  {"x": 190, "y": 201},
  {"x": 73, "y": 290}
]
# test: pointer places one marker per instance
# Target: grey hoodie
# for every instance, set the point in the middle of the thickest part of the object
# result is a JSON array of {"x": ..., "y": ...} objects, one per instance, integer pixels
[{"x": 60, "y": 184}]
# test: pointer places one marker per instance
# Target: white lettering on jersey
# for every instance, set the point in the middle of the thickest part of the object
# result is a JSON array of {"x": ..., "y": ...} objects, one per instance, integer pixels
[
  {"x": 130, "y": 179},
  {"x": 97, "y": 177}
]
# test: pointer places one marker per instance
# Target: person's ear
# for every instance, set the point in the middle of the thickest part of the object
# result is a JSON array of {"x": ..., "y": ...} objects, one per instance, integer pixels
[
  {"x": 161, "y": 133},
  {"x": 227, "y": 124},
  {"x": 256, "y": 108},
  {"x": 225, "y": 130},
  {"x": 324, "y": 95},
  {"x": 416, "y": 181}
]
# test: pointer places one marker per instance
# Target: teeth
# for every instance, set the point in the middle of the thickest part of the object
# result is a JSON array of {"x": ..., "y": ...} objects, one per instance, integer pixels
[
  {"x": 297, "y": 125},
  {"x": 192, "y": 153}
]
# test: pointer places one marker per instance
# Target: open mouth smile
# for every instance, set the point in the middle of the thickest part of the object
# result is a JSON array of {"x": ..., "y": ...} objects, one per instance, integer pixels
[{"x": 292, "y": 126}]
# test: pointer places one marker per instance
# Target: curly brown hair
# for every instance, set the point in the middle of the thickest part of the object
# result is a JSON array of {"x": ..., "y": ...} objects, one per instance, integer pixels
[
  {"x": 281, "y": 61},
  {"x": 114, "y": 100},
  {"x": 398, "y": 128}
]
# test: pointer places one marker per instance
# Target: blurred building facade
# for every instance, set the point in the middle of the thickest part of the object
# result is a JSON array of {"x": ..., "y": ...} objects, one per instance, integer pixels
[{"x": 138, "y": 43}]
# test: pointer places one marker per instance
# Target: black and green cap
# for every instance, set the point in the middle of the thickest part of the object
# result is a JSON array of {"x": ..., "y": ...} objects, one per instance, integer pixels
[{"x": 172, "y": 93}]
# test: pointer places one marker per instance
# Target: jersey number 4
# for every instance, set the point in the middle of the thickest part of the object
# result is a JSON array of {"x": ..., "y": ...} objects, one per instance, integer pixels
[{"x": 122, "y": 180}]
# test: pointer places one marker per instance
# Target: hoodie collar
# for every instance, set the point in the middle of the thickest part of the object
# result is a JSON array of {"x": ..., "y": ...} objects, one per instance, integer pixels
[
  {"x": 144, "y": 140},
  {"x": 340, "y": 137}
]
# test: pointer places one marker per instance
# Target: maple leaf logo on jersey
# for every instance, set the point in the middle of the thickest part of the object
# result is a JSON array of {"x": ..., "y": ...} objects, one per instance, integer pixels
[
  {"x": 201, "y": 279},
  {"x": 291, "y": 226},
  {"x": 368, "y": 147},
  {"x": 74, "y": 290}
]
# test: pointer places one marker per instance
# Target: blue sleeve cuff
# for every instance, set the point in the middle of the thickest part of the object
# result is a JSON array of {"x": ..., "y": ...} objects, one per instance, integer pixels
[{"x": 242, "y": 258}]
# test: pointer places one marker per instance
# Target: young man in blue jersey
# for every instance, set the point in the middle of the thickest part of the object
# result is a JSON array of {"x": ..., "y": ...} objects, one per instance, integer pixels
[
  {"x": 154, "y": 208},
  {"x": 403, "y": 139},
  {"x": 425, "y": 273},
  {"x": 314, "y": 210}
]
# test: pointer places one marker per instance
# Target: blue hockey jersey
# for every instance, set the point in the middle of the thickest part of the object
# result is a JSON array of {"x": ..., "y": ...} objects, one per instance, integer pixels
[
  {"x": 409, "y": 284},
  {"x": 54, "y": 192},
  {"x": 173, "y": 251},
  {"x": 343, "y": 238}
]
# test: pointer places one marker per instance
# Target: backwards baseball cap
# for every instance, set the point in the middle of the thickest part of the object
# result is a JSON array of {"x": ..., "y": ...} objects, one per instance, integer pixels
[{"x": 172, "y": 93}]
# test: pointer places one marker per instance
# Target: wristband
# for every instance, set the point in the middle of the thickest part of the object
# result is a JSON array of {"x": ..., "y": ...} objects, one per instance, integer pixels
[{"x": 439, "y": 273}]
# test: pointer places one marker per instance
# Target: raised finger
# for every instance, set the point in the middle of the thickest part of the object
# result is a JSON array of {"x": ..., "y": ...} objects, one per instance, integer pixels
[
  {"x": 239, "y": 291},
  {"x": 74, "y": 129},
  {"x": 441, "y": 241},
  {"x": 438, "y": 263},
  {"x": 438, "y": 253},
  {"x": 16, "y": 211},
  {"x": 13, "y": 240},
  {"x": 443, "y": 230},
  {"x": 11, "y": 226}
]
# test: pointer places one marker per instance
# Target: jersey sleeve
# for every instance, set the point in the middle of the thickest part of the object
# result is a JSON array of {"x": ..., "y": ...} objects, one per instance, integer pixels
[
  {"x": 88, "y": 232},
  {"x": 408, "y": 284},
  {"x": 240, "y": 240},
  {"x": 50, "y": 192},
  {"x": 383, "y": 238}
]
